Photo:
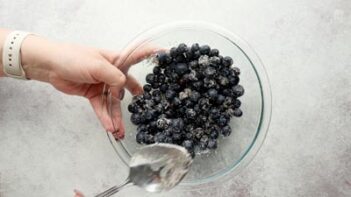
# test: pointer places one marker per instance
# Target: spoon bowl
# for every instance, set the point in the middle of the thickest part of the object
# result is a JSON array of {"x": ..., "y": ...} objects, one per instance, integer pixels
[{"x": 156, "y": 168}]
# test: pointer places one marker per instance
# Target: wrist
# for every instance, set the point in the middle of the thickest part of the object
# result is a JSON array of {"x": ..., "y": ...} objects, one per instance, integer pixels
[{"x": 35, "y": 55}]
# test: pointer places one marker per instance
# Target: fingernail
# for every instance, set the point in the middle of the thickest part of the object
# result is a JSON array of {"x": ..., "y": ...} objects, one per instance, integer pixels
[{"x": 121, "y": 94}]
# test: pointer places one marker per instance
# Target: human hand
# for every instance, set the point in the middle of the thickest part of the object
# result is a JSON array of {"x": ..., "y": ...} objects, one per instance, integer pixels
[{"x": 82, "y": 71}]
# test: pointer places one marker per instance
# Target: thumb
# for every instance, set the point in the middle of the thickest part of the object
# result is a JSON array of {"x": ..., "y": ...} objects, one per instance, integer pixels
[{"x": 110, "y": 75}]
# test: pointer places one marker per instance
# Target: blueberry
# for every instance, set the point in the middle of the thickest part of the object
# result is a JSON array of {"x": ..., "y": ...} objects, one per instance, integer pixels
[
  {"x": 180, "y": 59},
  {"x": 133, "y": 108},
  {"x": 214, "y": 134},
  {"x": 212, "y": 144},
  {"x": 152, "y": 125},
  {"x": 223, "y": 81},
  {"x": 203, "y": 145},
  {"x": 163, "y": 88},
  {"x": 238, "y": 90},
  {"x": 188, "y": 144},
  {"x": 237, "y": 112},
  {"x": 233, "y": 80},
  {"x": 156, "y": 93},
  {"x": 193, "y": 64},
  {"x": 149, "y": 139},
  {"x": 142, "y": 128},
  {"x": 227, "y": 92},
  {"x": 237, "y": 103},
  {"x": 157, "y": 70},
  {"x": 175, "y": 87},
  {"x": 196, "y": 54},
  {"x": 140, "y": 137},
  {"x": 212, "y": 94},
  {"x": 173, "y": 52},
  {"x": 176, "y": 136},
  {"x": 161, "y": 78},
  {"x": 236, "y": 70},
  {"x": 227, "y": 61},
  {"x": 150, "y": 78},
  {"x": 199, "y": 132},
  {"x": 182, "y": 48},
  {"x": 176, "y": 101},
  {"x": 203, "y": 119},
  {"x": 162, "y": 123},
  {"x": 188, "y": 55},
  {"x": 228, "y": 102},
  {"x": 214, "y": 113},
  {"x": 194, "y": 96},
  {"x": 160, "y": 137},
  {"x": 204, "y": 61},
  {"x": 177, "y": 124},
  {"x": 225, "y": 72},
  {"x": 163, "y": 58},
  {"x": 149, "y": 115},
  {"x": 197, "y": 108},
  {"x": 215, "y": 61},
  {"x": 209, "y": 71},
  {"x": 203, "y": 102},
  {"x": 226, "y": 131},
  {"x": 136, "y": 119},
  {"x": 220, "y": 99},
  {"x": 190, "y": 113},
  {"x": 188, "y": 103},
  {"x": 222, "y": 121},
  {"x": 197, "y": 85},
  {"x": 155, "y": 85},
  {"x": 147, "y": 96},
  {"x": 204, "y": 138},
  {"x": 147, "y": 87},
  {"x": 195, "y": 47},
  {"x": 189, "y": 136},
  {"x": 214, "y": 52},
  {"x": 181, "y": 68},
  {"x": 189, "y": 128},
  {"x": 157, "y": 98},
  {"x": 205, "y": 49},
  {"x": 159, "y": 108},
  {"x": 170, "y": 94},
  {"x": 209, "y": 83},
  {"x": 168, "y": 71},
  {"x": 190, "y": 77},
  {"x": 165, "y": 104},
  {"x": 168, "y": 140}
]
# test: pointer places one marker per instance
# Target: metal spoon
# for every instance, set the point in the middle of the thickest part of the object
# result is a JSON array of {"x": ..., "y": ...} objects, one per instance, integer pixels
[{"x": 156, "y": 168}]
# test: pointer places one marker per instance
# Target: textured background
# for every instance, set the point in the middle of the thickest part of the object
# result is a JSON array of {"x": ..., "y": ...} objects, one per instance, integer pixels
[{"x": 51, "y": 143}]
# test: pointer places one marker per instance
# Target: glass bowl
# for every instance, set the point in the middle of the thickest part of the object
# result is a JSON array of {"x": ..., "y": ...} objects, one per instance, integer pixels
[{"x": 249, "y": 131}]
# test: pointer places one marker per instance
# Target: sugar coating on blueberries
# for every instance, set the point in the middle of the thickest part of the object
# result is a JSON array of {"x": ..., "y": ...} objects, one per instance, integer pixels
[{"x": 189, "y": 98}]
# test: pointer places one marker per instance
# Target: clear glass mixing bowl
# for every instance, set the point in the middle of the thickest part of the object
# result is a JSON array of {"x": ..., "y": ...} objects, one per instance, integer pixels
[{"x": 249, "y": 131}]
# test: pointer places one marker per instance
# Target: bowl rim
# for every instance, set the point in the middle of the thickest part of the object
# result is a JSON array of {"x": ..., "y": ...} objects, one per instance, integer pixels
[{"x": 265, "y": 90}]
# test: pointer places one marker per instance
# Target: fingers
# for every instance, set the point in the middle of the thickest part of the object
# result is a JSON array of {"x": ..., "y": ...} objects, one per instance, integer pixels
[
  {"x": 109, "y": 114},
  {"x": 110, "y": 75},
  {"x": 135, "y": 54},
  {"x": 133, "y": 86},
  {"x": 100, "y": 109},
  {"x": 116, "y": 115},
  {"x": 111, "y": 56},
  {"x": 78, "y": 193}
]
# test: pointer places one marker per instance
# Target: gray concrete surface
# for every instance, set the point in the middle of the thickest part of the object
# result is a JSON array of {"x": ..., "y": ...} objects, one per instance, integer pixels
[{"x": 51, "y": 143}]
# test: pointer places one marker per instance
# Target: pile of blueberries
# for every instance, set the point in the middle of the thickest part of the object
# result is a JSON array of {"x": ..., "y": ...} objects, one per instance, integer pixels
[{"x": 189, "y": 98}]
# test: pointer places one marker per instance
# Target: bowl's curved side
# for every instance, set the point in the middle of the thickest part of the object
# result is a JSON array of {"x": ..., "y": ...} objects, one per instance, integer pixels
[{"x": 261, "y": 75}]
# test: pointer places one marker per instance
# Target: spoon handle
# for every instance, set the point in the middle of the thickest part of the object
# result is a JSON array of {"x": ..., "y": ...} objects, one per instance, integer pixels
[{"x": 113, "y": 190}]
